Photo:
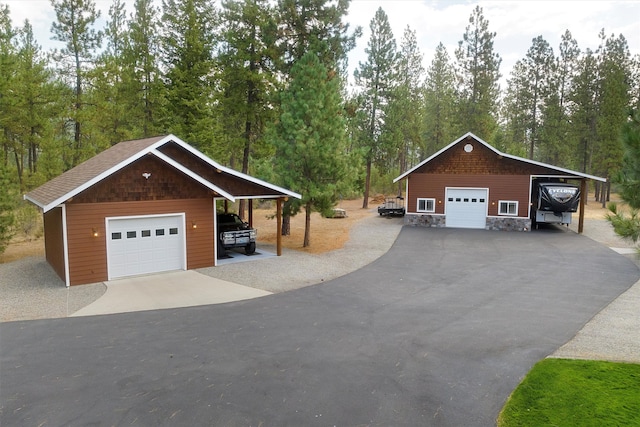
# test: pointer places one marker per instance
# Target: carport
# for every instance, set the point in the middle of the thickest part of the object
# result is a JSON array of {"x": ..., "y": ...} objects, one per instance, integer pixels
[{"x": 140, "y": 207}]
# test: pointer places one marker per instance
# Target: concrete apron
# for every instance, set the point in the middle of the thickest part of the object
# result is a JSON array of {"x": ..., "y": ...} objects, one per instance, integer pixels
[{"x": 167, "y": 290}]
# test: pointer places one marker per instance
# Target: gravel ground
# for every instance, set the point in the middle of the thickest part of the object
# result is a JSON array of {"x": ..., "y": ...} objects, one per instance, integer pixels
[
  {"x": 29, "y": 289},
  {"x": 369, "y": 239}
]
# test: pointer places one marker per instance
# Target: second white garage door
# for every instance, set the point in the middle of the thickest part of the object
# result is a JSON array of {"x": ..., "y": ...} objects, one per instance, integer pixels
[
  {"x": 466, "y": 207},
  {"x": 142, "y": 245}
]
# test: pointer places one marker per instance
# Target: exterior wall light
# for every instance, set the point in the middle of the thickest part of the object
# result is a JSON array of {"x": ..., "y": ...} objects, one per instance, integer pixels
[
  {"x": 146, "y": 175},
  {"x": 194, "y": 225},
  {"x": 94, "y": 232}
]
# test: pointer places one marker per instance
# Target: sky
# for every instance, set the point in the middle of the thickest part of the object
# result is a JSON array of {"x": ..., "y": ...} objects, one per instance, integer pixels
[{"x": 515, "y": 23}]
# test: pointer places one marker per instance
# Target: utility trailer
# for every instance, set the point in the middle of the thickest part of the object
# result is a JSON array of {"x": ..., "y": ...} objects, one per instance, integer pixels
[
  {"x": 392, "y": 206},
  {"x": 554, "y": 202}
]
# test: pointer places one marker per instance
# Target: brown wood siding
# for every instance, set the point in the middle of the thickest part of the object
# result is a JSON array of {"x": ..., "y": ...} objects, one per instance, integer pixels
[
  {"x": 129, "y": 185},
  {"x": 54, "y": 241},
  {"x": 480, "y": 161},
  {"x": 501, "y": 187},
  {"x": 231, "y": 184},
  {"x": 88, "y": 254}
]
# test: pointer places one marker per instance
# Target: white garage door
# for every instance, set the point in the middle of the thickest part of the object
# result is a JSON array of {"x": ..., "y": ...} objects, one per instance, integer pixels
[
  {"x": 466, "y": 207},
  {"x": 142, "y": 245}
]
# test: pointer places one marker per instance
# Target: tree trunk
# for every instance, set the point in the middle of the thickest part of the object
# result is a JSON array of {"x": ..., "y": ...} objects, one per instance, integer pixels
[
  {"x": 367, "y": 183},
  {"x": 307, "y": 226},
  {"x": 286, "y": 225}
]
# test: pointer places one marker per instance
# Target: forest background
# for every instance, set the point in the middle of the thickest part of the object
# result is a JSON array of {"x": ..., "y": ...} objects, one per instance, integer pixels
[{"x": 227, "y": 78}]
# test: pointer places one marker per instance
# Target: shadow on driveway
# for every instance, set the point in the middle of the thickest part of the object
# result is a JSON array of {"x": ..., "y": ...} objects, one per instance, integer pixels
[{"x": 436, "y": 332}]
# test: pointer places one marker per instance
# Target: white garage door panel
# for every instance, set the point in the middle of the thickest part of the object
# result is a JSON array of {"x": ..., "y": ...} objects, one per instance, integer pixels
[
  {"x": 466, "y": 207},
  {"x": 145, "y": 245}
]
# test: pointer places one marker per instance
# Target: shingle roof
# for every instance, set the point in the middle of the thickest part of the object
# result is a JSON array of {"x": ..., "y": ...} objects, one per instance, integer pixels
[
  {"x": 88, "y": 170},
  {"x": 76, "y": 180},
  {"x": 509, "y": 156}
]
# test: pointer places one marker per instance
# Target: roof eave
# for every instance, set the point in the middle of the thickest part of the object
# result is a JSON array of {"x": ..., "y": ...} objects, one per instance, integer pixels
[{"x": 233, "y": 172}]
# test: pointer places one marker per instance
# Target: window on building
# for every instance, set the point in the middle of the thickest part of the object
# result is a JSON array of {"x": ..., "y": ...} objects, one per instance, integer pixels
[
  {"x": 426, "y": 205},
  {"x": 507, "y": 207}
]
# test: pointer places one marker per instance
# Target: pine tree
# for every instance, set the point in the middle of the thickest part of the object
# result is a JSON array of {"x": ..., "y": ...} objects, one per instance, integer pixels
[
  {"x": 404, "y": 122},
  {"x": 559, "y": 145},
  {"x": 188, "y": 44},
  {"x": 8, "y": 66},
  {"x": 478, "y": 72},
  {"x": 247, "y": 70},
  {"x": 310, "y": 138},
  {"x": 375, "y": 79},
  {"x": 111, "y": 94},
  {"x": 613, "y": 102},
  {"x": 628, "y": 178},
  {"x": 7, "y": 205},
  {"x": 74, "y": 27},
  {"x": 440, "y": 101},
  {"x": 143, "y": 77},
  {"x": 37, "y": 101},
  {"x": 537, "y": 68},
  {"x": 315, "y": 25},
  {"x": 583, "y": 108}
]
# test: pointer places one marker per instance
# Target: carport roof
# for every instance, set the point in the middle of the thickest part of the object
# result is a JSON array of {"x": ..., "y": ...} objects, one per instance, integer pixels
[
  {"x": 74, "y": 181},
  {"x": 560, "y": 170}
]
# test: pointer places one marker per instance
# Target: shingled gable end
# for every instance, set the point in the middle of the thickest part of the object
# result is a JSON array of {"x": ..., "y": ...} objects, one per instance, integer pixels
[
  {"x": 465, "y": 185},
  {"x": 148, "y": 203}
]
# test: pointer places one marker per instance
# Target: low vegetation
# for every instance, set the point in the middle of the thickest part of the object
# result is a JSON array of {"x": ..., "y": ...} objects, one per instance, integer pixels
[{"x": 561, "y": 392}]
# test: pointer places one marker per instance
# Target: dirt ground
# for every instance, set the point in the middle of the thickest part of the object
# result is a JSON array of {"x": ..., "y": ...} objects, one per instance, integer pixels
[{"x": 327, "y": 234}]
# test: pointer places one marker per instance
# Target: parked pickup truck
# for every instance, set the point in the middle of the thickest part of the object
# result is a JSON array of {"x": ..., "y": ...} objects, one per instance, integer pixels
[{"x": 235, "y": 233}]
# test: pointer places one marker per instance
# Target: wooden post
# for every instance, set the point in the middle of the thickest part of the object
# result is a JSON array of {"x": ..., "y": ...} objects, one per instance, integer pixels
[
  {"x": 279, "y": 226},
  {"x": 583, "y": 195},
  {"x": 251, "y": 213}
]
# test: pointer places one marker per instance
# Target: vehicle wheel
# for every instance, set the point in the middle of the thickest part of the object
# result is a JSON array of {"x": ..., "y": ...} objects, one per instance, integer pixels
[{"x": 250, "y": 248}]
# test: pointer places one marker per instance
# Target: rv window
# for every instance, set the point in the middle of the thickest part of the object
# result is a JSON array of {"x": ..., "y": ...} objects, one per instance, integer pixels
[{"x": 508, "y": 207}]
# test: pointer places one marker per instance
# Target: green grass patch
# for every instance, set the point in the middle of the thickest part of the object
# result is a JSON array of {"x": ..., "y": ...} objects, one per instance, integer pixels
[{"x": 562, "y": 392}]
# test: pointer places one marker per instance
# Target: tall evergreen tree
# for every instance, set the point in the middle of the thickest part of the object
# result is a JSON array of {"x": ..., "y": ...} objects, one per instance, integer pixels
[
  {"x": 404, "y": 123},
  {"x": 478, "y": 72},
  {"x": 559, "y": 146},
  {"x": 440, "y": 101},
  {"x": 188, "y": 54},
  {"x": 74, "y": 27},
  {"x": 613, "y": 102},
  {"x": 538, "y": 66},
  {"x": 628, "y": 178},
  {"x": 143, "y": 76},
  {"x": 315, "y": 25},
  {"x": 375, "y": 78},
  {"x": 583, "y": 108},
  {"x": 310, "y": 138},
  {"x": 312, "y": 26},
  {"x": 7, "y": 205},
  {"x": 8, "y": 65},
  {"x": 247, "y": 70},
  {"x": 37, "y": 103},
  {"x": 111, "y": 95}
]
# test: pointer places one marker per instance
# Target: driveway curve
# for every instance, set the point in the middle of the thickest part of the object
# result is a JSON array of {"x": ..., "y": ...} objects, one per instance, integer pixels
[{"x": 436, "y": 332}]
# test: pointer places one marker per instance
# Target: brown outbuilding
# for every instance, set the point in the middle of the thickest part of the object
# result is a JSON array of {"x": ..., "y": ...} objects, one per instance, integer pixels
[
  {"x": 140, "y": 207},
  {"x": 470, "y": 184}
]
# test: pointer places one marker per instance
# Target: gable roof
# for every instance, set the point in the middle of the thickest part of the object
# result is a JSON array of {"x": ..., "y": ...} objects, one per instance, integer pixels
[
  {"x": 499, "y": 153},
  {"x": 104, "y": 164}
]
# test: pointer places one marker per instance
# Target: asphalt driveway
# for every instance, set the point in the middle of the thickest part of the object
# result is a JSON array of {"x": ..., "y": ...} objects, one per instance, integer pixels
[{"x": 436, "y": 332}]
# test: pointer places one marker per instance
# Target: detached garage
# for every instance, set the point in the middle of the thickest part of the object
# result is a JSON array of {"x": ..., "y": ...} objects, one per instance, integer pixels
[
  {"x": 470, "y": 184},
  {"x": 140, "y": 207}
]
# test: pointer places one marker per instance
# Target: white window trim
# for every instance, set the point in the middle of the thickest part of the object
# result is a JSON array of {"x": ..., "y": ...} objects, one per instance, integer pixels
[
  {"x": 433, "y": 203},
  {"x": 507, "y": 202}
]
